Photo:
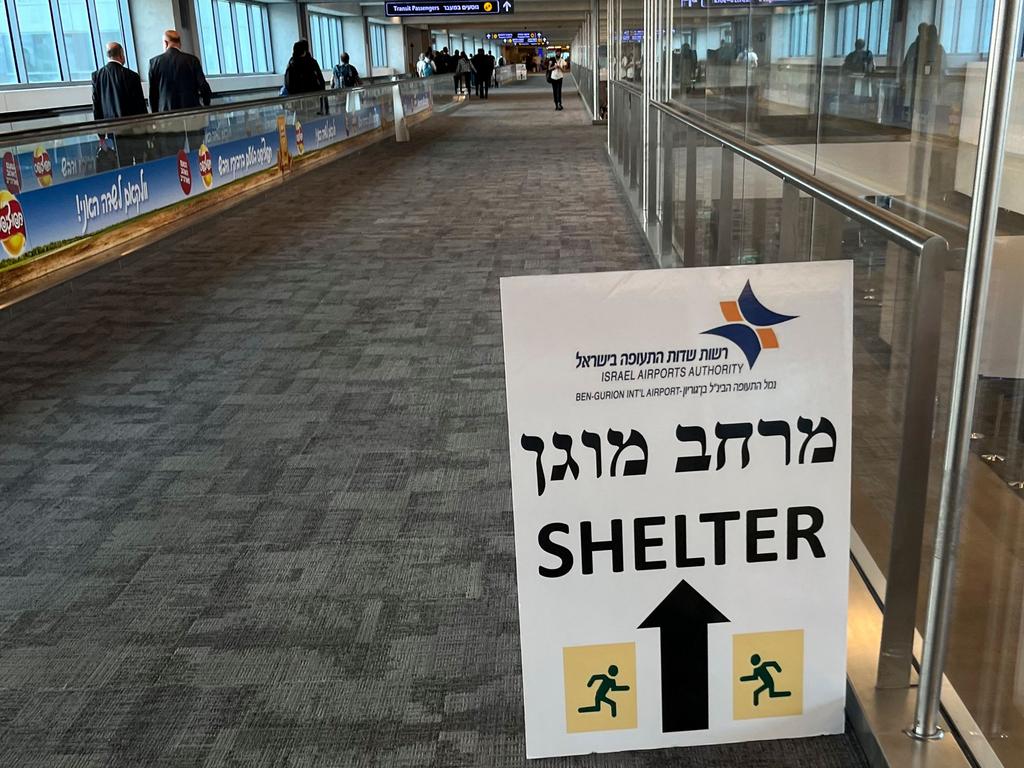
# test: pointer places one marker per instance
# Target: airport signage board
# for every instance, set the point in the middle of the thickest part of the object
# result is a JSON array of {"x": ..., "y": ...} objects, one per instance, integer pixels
[
  {"x": 710, "y": 4},
  {"x": 680, "y": 445},
  {"x": 479, "y": 8},
  {"x": 517, "y": 38}
]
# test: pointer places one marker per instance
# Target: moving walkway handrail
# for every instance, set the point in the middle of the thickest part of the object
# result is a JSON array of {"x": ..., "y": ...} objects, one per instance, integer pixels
[
  {"x": 903, "y": 583},
  {"x": 906, "y": 233},
  {"x": 113, "y": 126}
]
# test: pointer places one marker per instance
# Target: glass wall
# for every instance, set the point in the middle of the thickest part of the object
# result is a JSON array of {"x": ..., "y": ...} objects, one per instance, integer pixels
[
  {"x": 875, "y": 103},
  {"x": 326, "y": 39},
  {"x": 234, "y": 37},
  {"x": 63, "y": 40}
]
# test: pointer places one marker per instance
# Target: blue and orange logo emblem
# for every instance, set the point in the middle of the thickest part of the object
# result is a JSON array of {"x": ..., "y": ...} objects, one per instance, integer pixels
[{"x": 749, "y": 324}]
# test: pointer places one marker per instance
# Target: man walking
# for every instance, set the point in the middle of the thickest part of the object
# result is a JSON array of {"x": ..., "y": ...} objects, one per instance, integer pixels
[
  {"x": 116, "y": 93},
  {"x": 176, "y": 81},
  {"x": 484, "y": 66}
]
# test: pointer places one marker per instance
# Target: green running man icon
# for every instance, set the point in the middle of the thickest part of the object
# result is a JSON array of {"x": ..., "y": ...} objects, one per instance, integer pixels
[
  {"x": 762, "y": 673},
  {"x": 607, "y": 684}
]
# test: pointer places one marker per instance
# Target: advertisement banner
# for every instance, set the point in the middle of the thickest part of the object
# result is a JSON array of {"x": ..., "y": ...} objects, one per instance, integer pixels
[{"x": 680, "y": 445}]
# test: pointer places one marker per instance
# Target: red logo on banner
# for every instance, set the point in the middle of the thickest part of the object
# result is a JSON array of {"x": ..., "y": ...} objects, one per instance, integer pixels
[
  {"x": 205, "y": 166},
  {"x": 12, "y": 173},
  {"x": 42, "y": 167},
  {"x": 184, "y": 172},
  {"x": 12, "y": 224}
]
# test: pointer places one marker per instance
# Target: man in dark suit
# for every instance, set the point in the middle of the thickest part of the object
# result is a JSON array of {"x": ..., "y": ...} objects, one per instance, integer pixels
[
  {"x": 176, "y": 81},
  {"x": 116, "y": 93}
]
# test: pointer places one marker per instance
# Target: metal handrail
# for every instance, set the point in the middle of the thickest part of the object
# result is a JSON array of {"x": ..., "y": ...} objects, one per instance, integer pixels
[
  {"x": 907, "y": 233},
  {"x": 112, "y": 126}
]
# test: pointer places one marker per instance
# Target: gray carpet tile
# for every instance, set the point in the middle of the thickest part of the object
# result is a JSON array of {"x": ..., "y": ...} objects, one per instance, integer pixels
[{"x": 254, "y": 490}]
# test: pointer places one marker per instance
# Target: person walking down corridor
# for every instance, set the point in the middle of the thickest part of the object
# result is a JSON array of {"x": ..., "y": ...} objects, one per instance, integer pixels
[
  {"x": 484, "y": 69},
  {"x": 303, "y": 74},
  {"x": 344, "y": 74},
  {"x": 556, "y": 73},
  {"x": 176, "y": 79},
  {"x": 117, "y": 92},
  {"x": 464, "y": 70}
]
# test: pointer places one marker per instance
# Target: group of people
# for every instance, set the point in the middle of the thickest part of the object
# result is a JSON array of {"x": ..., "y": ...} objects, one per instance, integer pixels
[
  {"x": 304, "y": 74},
  {"x": 176, "y": 81},
  {"x": 477, "y": 72}
]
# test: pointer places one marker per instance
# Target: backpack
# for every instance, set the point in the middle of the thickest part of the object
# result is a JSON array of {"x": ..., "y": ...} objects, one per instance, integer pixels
[
  {"x": 345, "y": 74},
  {"x": 428, "y": 69}
]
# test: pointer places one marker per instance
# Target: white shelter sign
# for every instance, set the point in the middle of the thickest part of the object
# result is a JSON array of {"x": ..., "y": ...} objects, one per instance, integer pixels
[{"x": 680, "y": 451}]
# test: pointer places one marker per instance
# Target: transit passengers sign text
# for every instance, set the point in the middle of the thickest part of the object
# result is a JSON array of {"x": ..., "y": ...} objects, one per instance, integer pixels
[
  {"x": 482, "y": 8},
  {"x": 680, "y": 455}
]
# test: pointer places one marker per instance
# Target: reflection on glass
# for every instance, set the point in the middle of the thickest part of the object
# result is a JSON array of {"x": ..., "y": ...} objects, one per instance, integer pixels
[
  {"x": 74, "y": 21},
  {"x": 245, "y": 57},
  {"x": 38, "y": 40},
  {"x": 261, "y": 38},
  {"x": 208, "y": 37},
  {"x": 229, "y": 58},
  {"x": 8, "y": 72},
  {"x": 108, "y": 19}
]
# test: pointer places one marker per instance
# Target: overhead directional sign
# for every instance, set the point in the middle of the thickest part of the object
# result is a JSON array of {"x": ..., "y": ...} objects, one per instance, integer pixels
[
  {"x": 481, "y": 8},
  {"x": 518, "y": 38},
  {"x": 680, "y": 446}
]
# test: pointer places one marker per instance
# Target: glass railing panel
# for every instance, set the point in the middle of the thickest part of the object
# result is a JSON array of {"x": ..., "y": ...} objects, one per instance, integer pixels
[{"x": 64, "y": 184}]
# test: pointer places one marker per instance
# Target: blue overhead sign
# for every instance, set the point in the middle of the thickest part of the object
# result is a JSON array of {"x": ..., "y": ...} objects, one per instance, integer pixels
[
  {"x": 517, "y": 38},
  {"x": 481, "y": 8}
]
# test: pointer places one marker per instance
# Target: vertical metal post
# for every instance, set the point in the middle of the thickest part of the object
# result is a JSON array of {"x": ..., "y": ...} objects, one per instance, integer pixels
[
  {"x": 902, "y": 583},
  {"x": 789, "y": 223},
  {"x": 725, "y": 209},
  {"x": 690, "y": 201},
  {"x": 595, "y": 58},
  {"x": 977, "y": 270},
  {"x": 668, "y": 192},
  {"x": 636, "y": 140},
  {"x": 652, "y": 166}
]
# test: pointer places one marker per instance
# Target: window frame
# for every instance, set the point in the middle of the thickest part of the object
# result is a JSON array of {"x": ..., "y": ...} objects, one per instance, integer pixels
[{"x": 219, "y": 36}]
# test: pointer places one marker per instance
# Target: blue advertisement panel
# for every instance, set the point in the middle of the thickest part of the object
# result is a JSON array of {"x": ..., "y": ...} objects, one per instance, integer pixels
[{"x": 52, "y": 196}]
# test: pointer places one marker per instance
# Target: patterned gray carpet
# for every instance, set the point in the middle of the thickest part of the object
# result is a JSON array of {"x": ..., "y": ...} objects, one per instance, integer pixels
[{"x": 254, "y": 495}]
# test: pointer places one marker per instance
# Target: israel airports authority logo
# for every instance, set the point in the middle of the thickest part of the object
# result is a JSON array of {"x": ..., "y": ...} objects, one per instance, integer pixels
[
  {"x": 749, "y": 324},
  {"x": 12, "y": 225}
]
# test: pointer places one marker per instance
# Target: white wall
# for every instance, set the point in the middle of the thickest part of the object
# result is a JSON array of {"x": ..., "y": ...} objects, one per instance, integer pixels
[
  {"x": 396, "y": 48},
  {"x": 354, "y": 30},
  {"x": 150, "y": 18}
]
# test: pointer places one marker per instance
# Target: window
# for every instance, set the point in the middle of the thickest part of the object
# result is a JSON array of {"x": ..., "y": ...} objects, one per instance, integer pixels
[
  {"x": 866, "y": 20},
  {"x": 802, "y": 31},
  {"x": 966, "y": 25},
  {"x": 378, "y": 44},
  {"x": 325, "y": 38},
  {"x": 38, "y": 41},
  {"x": 47, "y": 42},
  {"x": 234, "y": 37}
]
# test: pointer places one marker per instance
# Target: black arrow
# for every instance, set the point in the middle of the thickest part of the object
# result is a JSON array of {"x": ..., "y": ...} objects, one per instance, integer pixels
[{"x": 683, "y": 618}]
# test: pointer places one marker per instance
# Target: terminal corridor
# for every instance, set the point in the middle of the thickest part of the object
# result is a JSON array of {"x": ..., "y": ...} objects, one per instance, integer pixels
[{"x": 255, "y": 500}]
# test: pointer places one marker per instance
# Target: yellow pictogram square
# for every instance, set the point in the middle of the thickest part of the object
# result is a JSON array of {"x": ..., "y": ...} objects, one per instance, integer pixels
[
  {"x": 600, "y": 687},
  {"x": 768, "y": 674}
]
